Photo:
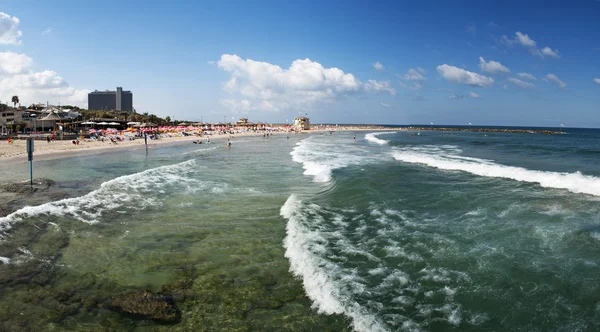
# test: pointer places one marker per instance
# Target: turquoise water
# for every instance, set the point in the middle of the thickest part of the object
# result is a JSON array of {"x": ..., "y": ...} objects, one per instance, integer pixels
[{"x": 391, "y": 231}]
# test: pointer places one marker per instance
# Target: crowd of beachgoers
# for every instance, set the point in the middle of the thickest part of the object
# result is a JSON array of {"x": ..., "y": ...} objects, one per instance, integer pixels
[{"x": 91, "y": 140}]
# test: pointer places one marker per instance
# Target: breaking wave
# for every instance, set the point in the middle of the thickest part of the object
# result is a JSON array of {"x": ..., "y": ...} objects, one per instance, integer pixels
[
  {"x": 129, "y": 192},
  {"x": 372, "y": 137},
  {"x": 446, "y": 159},
  {"x": 320, "y": 276},
  {"x": 319, "y": 157}
]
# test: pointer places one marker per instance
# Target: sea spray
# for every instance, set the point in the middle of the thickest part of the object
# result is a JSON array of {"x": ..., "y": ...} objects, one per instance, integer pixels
[{"x": 574, "y": 182}]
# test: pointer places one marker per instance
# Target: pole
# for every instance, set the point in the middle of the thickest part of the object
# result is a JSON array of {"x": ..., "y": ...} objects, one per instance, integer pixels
[
  {"x": 146, "y": 142},
  {"x": 30, "y": 158}
]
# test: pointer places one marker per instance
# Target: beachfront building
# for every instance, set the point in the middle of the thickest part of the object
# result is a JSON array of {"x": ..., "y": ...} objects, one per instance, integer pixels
[
  {"x": 8, "y": 119},
  {"x": 302, "y": 123},
  {"x": 118, "y": 100}
]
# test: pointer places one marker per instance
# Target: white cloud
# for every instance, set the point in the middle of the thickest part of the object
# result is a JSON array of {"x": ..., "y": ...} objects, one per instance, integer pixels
[
  {"x": 554, "y": 79},
  {"x": 414, "y": 86},
  {"x": 522, "y": 84},
  {"x": 524, "y": 39},
  {"x": 549, "y": 52},
  {"x": 527, "y": 76},
  {"x": 597, "y": 80},
  {"x": 385, "y": 105},
  {"x": 265, "y": 86},
  {"x": 17, "y": 78},
  {"x": 9, "y": 30},
  {"x": 455, "y": 96},
  {"x": 474, "y": 95},
  {"x": 492, "y": 67},
  {"x": 415, "y": 74},
  {"x": 377, "y": 65},
  {"x": 13, "y": 63},
  {"x": 460, "y": 75},
  {"x": 493, "y": 25},
  {"x": 379, "y": 86},
  {"x": 530, "y": 44},
  {"x": 472, "y": 29},
  {"x": 47, "y": 31}
]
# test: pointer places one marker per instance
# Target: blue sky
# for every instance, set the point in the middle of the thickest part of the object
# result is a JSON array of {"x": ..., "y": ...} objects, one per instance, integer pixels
[{"x": 213, "y": 59}]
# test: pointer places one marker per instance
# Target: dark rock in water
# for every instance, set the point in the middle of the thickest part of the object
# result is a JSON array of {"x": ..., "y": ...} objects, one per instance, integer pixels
[
  {"x": 146, "y": 305},
  {"x": 25, "y": 186}
]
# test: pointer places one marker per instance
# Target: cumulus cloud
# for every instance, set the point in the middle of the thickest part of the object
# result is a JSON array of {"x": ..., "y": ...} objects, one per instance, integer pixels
[
  {"x": 17, "y": 78},
  {"x": 9, "y": 30},
  {"x": 530, "y": 44},
  {"x": 385, "y": 105},
  {"x": 554, "y": 79},
  {"x": 265, "y": 86},
  {"x": 13, "y": 63},
  {"x": 550, "y": 52},
  {"x": 459, "y": 75},
  {"x": 377, "y": 65},
  {"x": 492, "y": 67},
  {"x": 47, "y": 31},
  {"x": 455, "y": 96},
  {"x": 474, "y": 95},
  {"x": 415, "y": 74},
  {"x": 527, "y": 76},
  {"x": 522, "y": 84},
  {"x": 524, "y": 39},
  {"x": 597, "y": 80}
]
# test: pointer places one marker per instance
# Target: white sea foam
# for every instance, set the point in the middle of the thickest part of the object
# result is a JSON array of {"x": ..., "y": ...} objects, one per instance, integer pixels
[
  {"x": 201, "y": 151},
  {"x": 320, "y": 157},
  {"x": 128, "y": 191},
  {"x": 305, "y": 249},
  {"x": 439, "y": 158},
  {"x": 372, "y": 137},
  {"x": 4, "y": 260}
]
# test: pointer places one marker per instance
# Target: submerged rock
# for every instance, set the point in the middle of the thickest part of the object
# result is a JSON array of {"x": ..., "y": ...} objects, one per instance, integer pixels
[{"x": 147, "y": 305}]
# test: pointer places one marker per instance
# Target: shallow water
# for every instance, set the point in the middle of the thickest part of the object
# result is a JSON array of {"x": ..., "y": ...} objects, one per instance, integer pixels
[{"x": 391, "y": 231}]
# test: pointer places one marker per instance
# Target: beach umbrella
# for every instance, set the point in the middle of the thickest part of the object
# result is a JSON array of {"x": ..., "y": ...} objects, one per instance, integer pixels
[
  {"x": 103, "y": 123},
  {"x": 114, "y": 124}
]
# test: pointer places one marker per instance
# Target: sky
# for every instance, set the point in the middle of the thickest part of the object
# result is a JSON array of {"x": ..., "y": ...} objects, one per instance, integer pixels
[{"x": 528, "y": 63}]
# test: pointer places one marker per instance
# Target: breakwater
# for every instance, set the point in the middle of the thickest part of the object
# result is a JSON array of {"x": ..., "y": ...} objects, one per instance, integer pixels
[{"x": 490, "y": 130}]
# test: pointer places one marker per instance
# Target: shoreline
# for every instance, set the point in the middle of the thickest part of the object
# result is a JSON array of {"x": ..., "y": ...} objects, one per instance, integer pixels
[{"x": 16, "y": 151}]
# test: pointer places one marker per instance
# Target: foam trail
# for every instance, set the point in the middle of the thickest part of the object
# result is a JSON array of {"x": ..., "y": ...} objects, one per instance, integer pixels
[
  {"x": 372, "y": 137},
  {"x": 302, "y": 247},
  {"x": 128, "y": 191},
  {"x": 320, "y": 157},
  {"x": 201, "y": 151},
  {"x": 574, "y": 182}
]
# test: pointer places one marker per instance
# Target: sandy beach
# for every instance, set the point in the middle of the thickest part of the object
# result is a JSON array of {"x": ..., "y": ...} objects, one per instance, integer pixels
[{"x": 17, "y": 151}]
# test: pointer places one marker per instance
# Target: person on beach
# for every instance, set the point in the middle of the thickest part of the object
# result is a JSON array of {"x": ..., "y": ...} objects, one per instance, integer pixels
[{"x": 48, "y": 138}]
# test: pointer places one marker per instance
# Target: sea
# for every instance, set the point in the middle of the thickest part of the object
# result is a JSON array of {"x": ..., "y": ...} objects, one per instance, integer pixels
[{"x": 343, "y": 231}]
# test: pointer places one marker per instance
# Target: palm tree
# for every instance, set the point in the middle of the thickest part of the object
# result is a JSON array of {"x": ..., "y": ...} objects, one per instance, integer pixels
[{"x": 15, "y": 100}]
